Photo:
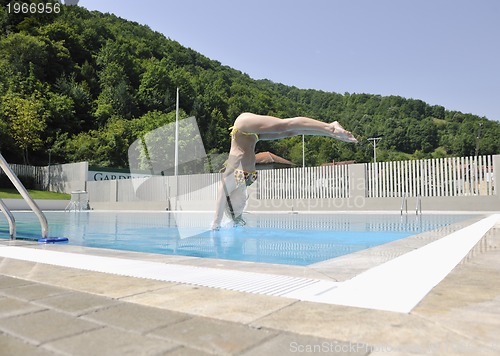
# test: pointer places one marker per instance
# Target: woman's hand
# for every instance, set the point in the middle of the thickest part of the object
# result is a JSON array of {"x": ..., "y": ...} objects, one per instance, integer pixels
[{"x": 215, "y": 226}]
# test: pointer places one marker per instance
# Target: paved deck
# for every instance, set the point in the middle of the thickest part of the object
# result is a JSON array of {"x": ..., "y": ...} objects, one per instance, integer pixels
[{"x": 46, "y": 310}]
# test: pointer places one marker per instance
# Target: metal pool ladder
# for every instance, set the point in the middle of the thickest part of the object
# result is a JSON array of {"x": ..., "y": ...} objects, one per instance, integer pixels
[
  {"x": 27, "y": 198},
  {"x": 418, "y": 205}
]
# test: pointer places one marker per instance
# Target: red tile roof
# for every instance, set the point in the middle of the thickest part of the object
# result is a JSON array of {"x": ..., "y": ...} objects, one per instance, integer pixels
[{"x": 269, "y": 158}]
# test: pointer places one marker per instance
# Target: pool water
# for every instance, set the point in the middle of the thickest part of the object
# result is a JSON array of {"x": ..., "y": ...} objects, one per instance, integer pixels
[{"x": 291, "y": 239}]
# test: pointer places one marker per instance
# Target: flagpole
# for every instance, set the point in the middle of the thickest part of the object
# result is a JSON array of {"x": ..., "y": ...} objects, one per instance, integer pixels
[{"x": 176, "y": 152}]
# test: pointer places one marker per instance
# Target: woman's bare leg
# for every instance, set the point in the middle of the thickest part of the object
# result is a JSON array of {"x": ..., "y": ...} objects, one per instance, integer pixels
[{"x": 272, "y": 126}]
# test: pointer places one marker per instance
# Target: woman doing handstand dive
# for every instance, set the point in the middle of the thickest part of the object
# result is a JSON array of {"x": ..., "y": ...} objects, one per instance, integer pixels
[{"x": 240, "y": 167}]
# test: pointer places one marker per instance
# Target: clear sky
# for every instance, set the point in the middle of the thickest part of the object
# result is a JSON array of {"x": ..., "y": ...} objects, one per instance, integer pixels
[{"x": 444, "y": 52}]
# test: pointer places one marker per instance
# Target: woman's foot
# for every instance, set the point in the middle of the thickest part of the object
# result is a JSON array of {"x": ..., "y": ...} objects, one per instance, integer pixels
[{"x": 340, "y": 133}]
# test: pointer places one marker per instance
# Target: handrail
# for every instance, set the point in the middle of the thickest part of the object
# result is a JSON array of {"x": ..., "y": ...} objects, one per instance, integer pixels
[
  {"x": 10, "y": 219},
  {"x": 24, "y": 193},
  {"x": 418, "y": 205},
  {"x": 404, "y": 203}
]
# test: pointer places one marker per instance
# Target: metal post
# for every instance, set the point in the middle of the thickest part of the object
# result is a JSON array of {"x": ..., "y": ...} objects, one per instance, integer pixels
[
  {"x": 478, "y": 138},
  {"x": 418, "y": 206},
  {"x": 48, "y": 169},
  {"x": 176, "y": 152},
  {"x": 374, "y": 141},
  {"x": 24, "y": 193}
]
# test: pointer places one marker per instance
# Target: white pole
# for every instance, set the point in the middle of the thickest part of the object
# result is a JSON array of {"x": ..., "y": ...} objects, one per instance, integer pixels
[
  {"x": 303, "y": 152},
  {"x": 176, "y": 154},
  {"x": 374, "y": 141}
]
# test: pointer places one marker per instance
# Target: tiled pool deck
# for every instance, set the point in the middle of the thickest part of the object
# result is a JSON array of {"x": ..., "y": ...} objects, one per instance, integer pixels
[{"x": 47, "y": 310}]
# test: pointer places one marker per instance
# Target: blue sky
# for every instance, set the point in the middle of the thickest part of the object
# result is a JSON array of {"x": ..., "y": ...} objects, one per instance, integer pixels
[{"x": 444, "y": 52}]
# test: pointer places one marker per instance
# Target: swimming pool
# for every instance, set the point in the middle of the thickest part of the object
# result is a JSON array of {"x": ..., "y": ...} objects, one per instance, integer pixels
[{"x": 291, "y": 239}]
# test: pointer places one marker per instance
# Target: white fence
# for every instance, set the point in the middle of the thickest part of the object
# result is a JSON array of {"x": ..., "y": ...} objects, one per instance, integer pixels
[
  {"x": 456, "y": 176},
  {"x": 157, "y": 188},
  {"x": 63, "y": 178},
  {"x": 462, "y": 176},
  {"x": 325, "y": 182},
  {"x": 434, "y": 178},
  {"x": 36, "y": 173},
  {"x": 295, "y": 183}
]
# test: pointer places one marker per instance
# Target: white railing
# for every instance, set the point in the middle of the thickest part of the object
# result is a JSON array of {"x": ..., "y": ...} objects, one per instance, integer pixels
[
  {"x": 294, "y": 183},
  {"x": 63, "y": 178},
  {"x": 35, "y": 172},
  {"x": 198, "y": 187},
  {"x": 463, "y": 176},
  {"x": 157, "y": 188},
  {"x": 323, "y": 182},
  {"x": 456, "y": 176}
]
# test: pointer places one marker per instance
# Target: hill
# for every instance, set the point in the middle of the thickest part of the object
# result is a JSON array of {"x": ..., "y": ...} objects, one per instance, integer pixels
[{"x": 86, "y": 85}]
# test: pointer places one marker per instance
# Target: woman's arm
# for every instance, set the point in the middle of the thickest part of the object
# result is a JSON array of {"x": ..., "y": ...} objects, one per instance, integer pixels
[{"x": 220, "y": 205}]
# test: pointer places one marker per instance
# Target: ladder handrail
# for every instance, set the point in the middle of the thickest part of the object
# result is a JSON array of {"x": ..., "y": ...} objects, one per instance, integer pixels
[
  {"x": 10, "y": 218},
  {"x": 418, "y": 205},
  {"x": 404, "y": 203},
  {"x": 24, "y": 193}
]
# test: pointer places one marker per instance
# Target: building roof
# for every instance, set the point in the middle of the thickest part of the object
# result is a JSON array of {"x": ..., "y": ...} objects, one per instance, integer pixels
[
  {"x": 270, "y": 158},
  {"x": 341, "y": 163}
]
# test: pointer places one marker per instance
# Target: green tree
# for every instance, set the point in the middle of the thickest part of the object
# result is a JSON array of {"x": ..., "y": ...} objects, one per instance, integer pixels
[
  {"x": 27, "y": 121},
  {"x": 79, "y": 94},
  {"x": 24, "y": 53},
  {"x": 116, "y": 97},
  {"x": 156, "y": 90}
]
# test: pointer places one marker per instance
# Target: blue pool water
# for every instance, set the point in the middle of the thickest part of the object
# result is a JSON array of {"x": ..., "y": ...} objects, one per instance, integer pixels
[{"x": 299, "y": 239}]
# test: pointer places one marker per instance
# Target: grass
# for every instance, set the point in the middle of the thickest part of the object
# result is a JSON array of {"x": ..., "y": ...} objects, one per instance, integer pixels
[{"x": 11, "y": 193}]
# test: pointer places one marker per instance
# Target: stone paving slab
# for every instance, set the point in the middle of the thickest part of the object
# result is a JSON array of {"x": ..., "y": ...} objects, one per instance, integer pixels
[
  {"x": 11, "y": 307},
  {"x": 52, "y": 275},
  {"x": 214, "y": 336},
  {"x": 12, "y": 346},
  {"x": 186, "y": 351},
  {"x": 293, "y": 344},
  {"x": 43, "y": 326},
  {"x": 110, "y": 285},
  {"x": 212, "y": 302},
  {"x": 75, "y": 303},
  {"x": 113, "y": 327},
  {"x": 110, "y": 341},
  {"x": 30, "y": 292},
  {"x": 8, "y": 282},
  {"x": 136, "y": 318}
]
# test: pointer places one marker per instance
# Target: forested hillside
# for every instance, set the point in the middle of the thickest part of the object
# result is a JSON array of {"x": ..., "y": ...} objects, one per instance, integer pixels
[{"x": 85, "y": 85}]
